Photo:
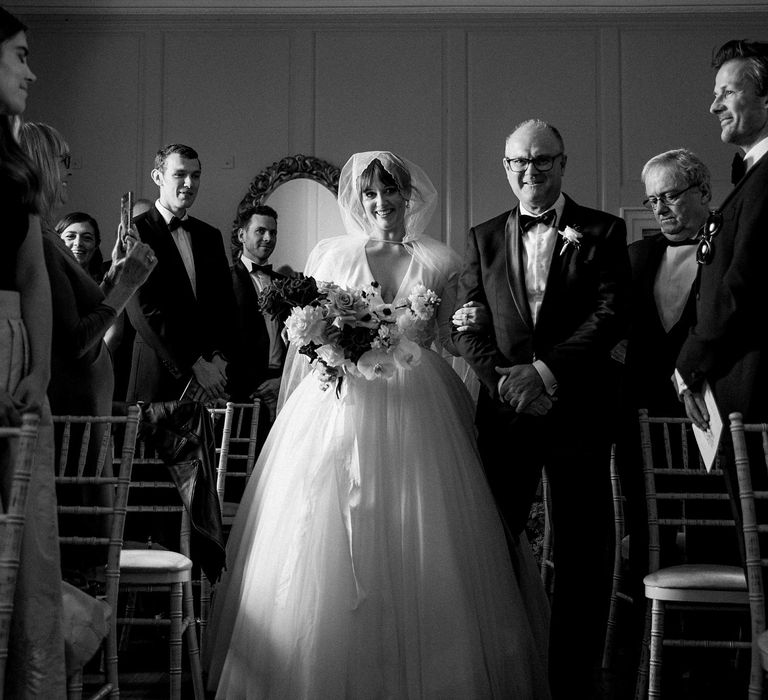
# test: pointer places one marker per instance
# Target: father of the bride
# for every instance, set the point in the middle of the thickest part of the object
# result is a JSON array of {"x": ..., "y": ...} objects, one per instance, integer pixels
[{"x": 554, "y": 278}]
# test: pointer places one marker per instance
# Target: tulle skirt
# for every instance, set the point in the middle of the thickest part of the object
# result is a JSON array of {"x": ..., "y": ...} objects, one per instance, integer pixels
[{"x": 368, "y": 560}]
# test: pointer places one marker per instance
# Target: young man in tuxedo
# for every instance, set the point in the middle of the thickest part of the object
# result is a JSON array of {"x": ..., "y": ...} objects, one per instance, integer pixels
[
  {"x": 184, "y": 315},
  {"x": 553, "y": 277},
  {"x": 257, "y": 363}
]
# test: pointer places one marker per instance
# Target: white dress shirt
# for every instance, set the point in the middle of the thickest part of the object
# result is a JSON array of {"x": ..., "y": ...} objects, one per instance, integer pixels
[
  {"x": 183, "y": 244},
  {"x": 673, "y": 283},
  {"x": 538, "y": 248},
  {"x": 756, "y": 153}
]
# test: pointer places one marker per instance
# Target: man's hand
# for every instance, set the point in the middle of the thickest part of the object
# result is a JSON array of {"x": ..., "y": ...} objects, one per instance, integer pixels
[
  {"x": 211, "y": 377},
  {"x": 268, "y": 392},
  {"x": 472, "y": 316},
  {"x": 522, "y": 385},
  {"x": 696, "y": 408},
  {"x": 540, "y": 406}
]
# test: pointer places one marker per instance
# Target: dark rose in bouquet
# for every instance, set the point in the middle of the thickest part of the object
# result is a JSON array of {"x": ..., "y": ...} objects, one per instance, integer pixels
[{"x": 284, "y": 294}]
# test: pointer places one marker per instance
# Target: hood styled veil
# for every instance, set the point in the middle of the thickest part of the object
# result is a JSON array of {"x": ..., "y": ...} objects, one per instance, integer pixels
[{"x": 422, "y": 198}]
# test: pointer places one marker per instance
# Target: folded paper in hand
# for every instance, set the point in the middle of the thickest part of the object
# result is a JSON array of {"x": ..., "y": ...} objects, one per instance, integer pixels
[{"x": 709, "y": 440}]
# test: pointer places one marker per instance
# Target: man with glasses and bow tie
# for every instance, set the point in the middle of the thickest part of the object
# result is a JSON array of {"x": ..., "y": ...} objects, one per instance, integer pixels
[
  {"x": 552, "y": 277},
  {"x": 184, "y": 314},
  {"x": 260, "y": 350}
]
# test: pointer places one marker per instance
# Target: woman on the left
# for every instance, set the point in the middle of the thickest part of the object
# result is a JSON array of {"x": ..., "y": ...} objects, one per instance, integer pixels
[{"x": 35, "y": 666}]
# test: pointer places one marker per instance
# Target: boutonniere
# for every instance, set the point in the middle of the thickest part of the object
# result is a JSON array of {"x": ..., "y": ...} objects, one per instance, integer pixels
[{"x": 570, "y": 237}]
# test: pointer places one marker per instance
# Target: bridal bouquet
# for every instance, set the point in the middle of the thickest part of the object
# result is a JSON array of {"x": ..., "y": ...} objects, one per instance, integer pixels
[{"x": 353, "y": 331}]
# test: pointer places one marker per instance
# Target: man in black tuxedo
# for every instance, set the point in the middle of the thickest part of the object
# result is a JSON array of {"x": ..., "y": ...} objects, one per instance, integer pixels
[
  {"x": 553, "y": 277},
  {"x": 184, "y": 312},
  {"x": 728, "y": 347},
  {"x": 257, "y": 363}
]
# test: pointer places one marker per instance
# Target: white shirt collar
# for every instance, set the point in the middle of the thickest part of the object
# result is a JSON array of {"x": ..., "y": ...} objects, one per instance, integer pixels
[
  {"x": 167, "y": 214},
  {"x": 756, "y": 152},
  {"x": 558, "y": 206},
  {"x": 247, "y": 261}
]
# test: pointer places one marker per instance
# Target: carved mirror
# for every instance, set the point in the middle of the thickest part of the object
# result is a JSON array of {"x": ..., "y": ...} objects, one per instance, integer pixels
[{"x": 302, "y": 190}]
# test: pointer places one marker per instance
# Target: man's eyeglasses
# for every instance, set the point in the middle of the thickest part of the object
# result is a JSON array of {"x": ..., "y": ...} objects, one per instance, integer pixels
[
  {"x": 706, "y": 248},
  {"x": 668, "y": 199},
  {"x": 66, "y": 159},
  {"x": 541, "y": 163}
]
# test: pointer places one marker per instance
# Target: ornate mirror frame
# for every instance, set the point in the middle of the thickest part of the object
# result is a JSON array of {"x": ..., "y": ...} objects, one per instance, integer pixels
[{"x": 289, "y": 168}]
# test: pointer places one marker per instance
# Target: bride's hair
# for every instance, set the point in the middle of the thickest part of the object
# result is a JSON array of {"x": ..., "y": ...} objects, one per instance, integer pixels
[{"x": 398, "y": 176}]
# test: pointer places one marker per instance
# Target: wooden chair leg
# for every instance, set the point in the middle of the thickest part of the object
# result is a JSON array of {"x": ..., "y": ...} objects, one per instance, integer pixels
[
  {"x": 75, "y": 686},
  {"x": 174, "y": 641},
  {"x": 130, "y": 611},
  {"x": 657, "y": 637},
  {"x": 205, "y": 606},
  {"x": 641, "y": 685},
  {"x": 193, "y": 650}
]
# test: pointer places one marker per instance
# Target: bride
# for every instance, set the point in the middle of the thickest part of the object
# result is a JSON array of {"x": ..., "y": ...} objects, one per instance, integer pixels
[{"x": 367, "y": 559}]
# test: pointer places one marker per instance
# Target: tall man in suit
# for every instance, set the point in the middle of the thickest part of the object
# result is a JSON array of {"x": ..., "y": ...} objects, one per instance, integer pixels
[
  {"x": 553, "y": 277},
  {"x": 728, "y": 347},
  {"x": 257, "y": 363},
  {"x": 184, "y": 315}
]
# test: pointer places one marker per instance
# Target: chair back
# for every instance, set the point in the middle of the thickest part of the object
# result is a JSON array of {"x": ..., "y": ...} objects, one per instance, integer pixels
[
  {"x": 94, "y": 461},
  {"x": 241, "y": 451},
  {"x": 101, "y": 450},
  {"x": 752, "y": 464},
  {"x": 686, "y": 503},
  {"x": 17, "y": 450}
]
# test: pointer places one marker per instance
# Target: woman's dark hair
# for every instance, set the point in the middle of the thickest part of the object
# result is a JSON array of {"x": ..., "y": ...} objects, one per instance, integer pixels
[
  {"x": 95, "y": 266},
  {"x": 398, "y": 177},
  {"x": 78, "y": 217},
  {"x": 14, "y": 163}
]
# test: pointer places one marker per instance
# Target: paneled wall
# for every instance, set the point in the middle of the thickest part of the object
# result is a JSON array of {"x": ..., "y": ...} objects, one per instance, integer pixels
[{"x": 443, "y": 90}]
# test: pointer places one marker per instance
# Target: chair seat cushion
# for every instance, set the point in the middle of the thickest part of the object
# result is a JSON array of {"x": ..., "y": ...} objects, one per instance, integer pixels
[
  {"x": 699, "y": 577},
  {"x": 152, "y": 561}
]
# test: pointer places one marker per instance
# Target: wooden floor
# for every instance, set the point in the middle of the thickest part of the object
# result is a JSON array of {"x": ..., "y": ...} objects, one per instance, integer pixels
[{"x": 688, "y": 675}]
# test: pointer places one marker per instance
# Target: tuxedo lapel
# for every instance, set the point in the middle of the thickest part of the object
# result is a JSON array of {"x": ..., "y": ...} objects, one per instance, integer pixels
[
  {"x": 168, "y": 254},
  {"x": 515, "y": 272}
]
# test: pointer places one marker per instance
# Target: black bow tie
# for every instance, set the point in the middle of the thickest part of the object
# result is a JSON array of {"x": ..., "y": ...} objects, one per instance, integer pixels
[
  {"x": 174, "y": 223},
  {"x": 527, "y": 222},
  {"x": 738, "y": 168},
  {"x": 266, "y": 269}
]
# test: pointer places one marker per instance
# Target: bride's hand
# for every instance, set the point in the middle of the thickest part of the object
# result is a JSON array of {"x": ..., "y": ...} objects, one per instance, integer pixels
[
  {"x": 325, "y": 374},
  {"x": 472, "y": 316}
]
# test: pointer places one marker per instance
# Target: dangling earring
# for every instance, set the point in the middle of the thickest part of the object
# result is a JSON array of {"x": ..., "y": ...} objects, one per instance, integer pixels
[{"x": 407, "y": 203}]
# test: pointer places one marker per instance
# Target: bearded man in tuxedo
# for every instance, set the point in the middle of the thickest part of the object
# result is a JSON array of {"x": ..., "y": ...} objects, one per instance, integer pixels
[
  {"x": 257, "y": 364},
  {"x": 553, "y": 278},
  {"x": 184, "y": 312}
]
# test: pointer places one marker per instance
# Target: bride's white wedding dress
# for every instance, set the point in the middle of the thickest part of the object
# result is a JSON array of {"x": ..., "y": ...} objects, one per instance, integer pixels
[{"x": 367, "y": 559}]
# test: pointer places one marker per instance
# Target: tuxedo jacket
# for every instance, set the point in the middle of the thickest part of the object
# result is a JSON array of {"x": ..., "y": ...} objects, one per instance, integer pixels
[
  {"x": 651, "y": 350},
  {"x": 250, "y": 359},
  {"x": 581, "y": 318},
  {"x": 189, "y": 325},
  {"x": 728, "y": 344}
]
